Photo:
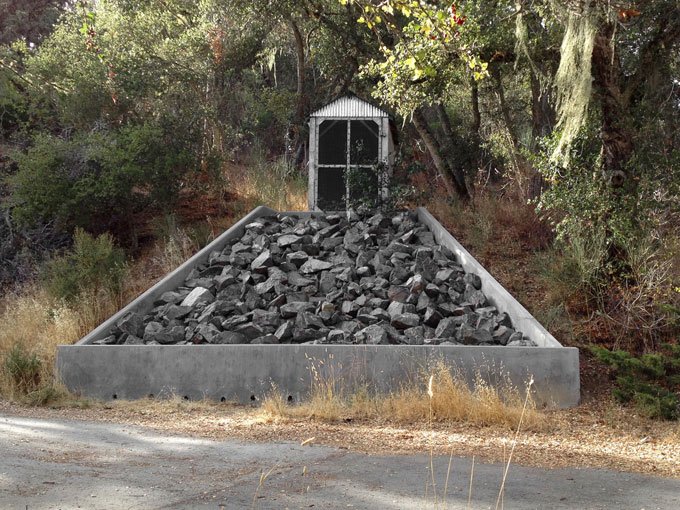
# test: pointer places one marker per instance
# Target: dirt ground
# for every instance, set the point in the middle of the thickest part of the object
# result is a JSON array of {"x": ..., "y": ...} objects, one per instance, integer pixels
[{"x": 597, "y": 434}]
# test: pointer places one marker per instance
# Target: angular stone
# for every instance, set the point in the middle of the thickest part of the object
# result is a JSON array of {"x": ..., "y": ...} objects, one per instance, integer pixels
[
  {"x": 381, "y": 315},
  {"x": 327, "y": 282},
  {"x": 232, "y": 322},
  {"x": 263, "y": 318},
  {"x": 373, "y": 335},
  {"x": 443, "y": 276},
  {"x": 291, "y": 310},
  {"x": 502, "y": 335},
  {"x": 298, "y": 258},
  {"x": 262, "y": 262},
  {"x": 230, "y": 338},
  {"x": 287, "y": 239},
  {"x": 132, "y": 324},
  {"x": 395, "y": 308},
  {"x": 415, "y": 336},
  {"x": 416, "y": 284},
  {"x": 133, "y": 340},
  {"x": 349, "y": 308},
  {"x": 151, "y": 330},
  {"x": 405, "y": 320},
  {"x": 308, "y": 320},
  {"x": 266, "y": 339},
  {"x": 315, "y": 266},
  {"x": 447, "y": 327},
  {"x": 249, "y": 330},
  {"x": 432, "y": 317},
  {"x": 336, "y": 336},
  {"x": 197, "y": 296},
  {"x": 285, "y": 331},
  {"x": 474, "y": 280},
  {"x": 468, "y": 335},
  {"x": 398, "y": 293}
]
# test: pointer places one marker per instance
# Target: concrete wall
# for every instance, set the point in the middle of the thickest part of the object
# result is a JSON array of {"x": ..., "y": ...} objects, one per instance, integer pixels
[
  {"x": 246, "y": 372},
  {"x": 237, "y": 372}
]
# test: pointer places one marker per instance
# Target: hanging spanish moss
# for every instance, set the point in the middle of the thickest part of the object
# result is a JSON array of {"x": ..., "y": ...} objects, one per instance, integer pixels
[{"x": 573, "y": 80}]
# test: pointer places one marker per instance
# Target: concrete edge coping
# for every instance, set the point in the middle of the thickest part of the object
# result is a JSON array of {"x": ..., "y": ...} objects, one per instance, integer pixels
[
  {"x": 143, "y": 302},
  {"x": 495, "y": 292}
]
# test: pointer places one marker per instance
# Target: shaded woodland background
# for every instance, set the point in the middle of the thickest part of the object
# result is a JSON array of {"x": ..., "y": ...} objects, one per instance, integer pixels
[{"x": 545, "y": 135}]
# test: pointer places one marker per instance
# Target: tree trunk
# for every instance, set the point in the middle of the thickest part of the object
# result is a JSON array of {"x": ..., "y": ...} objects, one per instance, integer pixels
[
  {"x": 502, "y": 105},
  {"x": 542, "y": 112},
  {"x": 474, "y": 97},
  {"x": 615, "y": 132},
  {"x": 454, "y": 180},
  {"x": 300, "y": 53}
]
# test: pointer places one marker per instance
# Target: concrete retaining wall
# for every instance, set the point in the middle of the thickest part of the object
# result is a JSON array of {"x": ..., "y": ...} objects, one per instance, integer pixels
[{"x": 246, "y": 372}]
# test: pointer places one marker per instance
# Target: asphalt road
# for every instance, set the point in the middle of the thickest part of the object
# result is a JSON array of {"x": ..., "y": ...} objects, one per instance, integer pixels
[{"x": 59, "y": 464}]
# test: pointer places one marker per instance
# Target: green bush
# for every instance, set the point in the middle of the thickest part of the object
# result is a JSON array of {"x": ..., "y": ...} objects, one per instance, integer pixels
[
  {"x": 651, "y": 382},
  {"x": 99, "y": 179},
  {"x": 92, "y": 265},
  {"x": 23, "y": 368}
]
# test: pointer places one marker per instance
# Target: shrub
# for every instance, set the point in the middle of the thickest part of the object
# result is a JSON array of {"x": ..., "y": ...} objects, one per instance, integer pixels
[
  {"x": 92, "y": 265},
  {"x": 23, "y": 368},
  {"x": 99, "y": 179},
  {"x": 651, "y": 382}
]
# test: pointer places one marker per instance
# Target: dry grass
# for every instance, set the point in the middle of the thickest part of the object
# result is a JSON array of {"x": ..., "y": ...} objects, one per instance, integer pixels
[
  {"x": 269, "y": 183},
  {"x": 452, "y": 401},
  {"x": 39, "y": 324}
]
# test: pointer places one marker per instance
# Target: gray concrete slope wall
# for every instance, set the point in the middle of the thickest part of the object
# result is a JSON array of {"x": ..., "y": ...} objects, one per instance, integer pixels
[
  {"x": 241, "y": 371},
  {"x": 248, "y": 372}
]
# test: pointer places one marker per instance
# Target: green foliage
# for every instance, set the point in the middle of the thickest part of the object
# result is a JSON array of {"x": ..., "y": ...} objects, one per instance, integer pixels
[
  {"x": 651, "y": 382},
  {"x": 375, "y": 189},
  {"x": 92, "y": 265},
  {"x": 97, "y": 179},
  {"x": 23, "y": 368}
]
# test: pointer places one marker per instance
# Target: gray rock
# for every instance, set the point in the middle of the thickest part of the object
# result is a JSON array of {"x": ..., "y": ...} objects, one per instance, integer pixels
[
  {"x": 230, "y": 338},
  {"x": 285, "y": 331},
  {"x": 468, "y": 335},
  {"x": 291, "y": 310},
  {"x": 447, "y": 327},
  {"x": 287, "y": 239},
  {"x": 474, "y": 280},
  {"x": 315, "y": 266},
  {"x": 502, "y": 335},
  {"x": 415, "y": 336},
  {"x": 132, "y": 324},
  {"x": 432, "y": 317},
  {"x": 297, "y": 258},
  {"x": 265, "y": 339},
  {"x": 263, "y": 318},
  {"x": 133, "y": 340},
  {"x": 398, "y": 293},
  {"x": 197, "y": 296},
  {"x": 308, "y": 320},
  {"x": 249, "y": 330},
  {"x": 373, "y": 335},
  {"x": 405, "y": 320},
  {"x": 151, "y": 330},
  {"x": 262, "y": 262}
]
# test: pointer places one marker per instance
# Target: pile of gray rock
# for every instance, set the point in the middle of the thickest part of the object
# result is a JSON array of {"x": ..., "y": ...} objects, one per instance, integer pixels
[{"x": 331, "y": 279}]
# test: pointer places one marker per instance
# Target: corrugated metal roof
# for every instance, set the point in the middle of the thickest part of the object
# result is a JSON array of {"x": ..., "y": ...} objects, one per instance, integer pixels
[{"x": 348, "y": 107}]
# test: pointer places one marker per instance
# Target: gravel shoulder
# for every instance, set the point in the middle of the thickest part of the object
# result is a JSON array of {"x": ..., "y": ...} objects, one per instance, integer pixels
[{"x": 595, "y": 435}]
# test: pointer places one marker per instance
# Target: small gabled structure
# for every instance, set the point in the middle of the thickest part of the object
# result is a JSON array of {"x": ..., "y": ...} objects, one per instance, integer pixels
[{"x": 346, "y": 135}]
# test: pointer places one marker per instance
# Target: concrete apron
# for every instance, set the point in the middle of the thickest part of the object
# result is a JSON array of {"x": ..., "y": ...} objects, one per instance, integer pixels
[{"x": 246, "y": 373}]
